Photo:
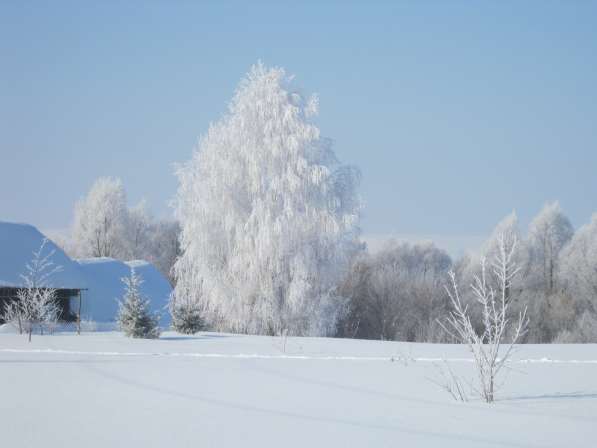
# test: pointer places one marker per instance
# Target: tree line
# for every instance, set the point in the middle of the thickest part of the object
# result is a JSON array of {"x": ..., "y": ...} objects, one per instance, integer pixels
[
  {"x": 266, "y": 240},
  {"x": 104, "y": 225},
  {"x": 399, "y": 292}
]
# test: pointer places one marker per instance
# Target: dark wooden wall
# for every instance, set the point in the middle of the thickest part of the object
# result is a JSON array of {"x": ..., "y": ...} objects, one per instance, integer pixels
[{"x": 63, "y": 296}]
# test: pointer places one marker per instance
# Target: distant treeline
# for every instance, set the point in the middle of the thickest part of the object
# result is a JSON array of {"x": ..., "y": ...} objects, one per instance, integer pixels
[{"x": 399, "y": 292}]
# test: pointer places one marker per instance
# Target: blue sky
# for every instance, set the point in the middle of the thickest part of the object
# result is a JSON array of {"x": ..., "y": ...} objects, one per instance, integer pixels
[{"x": 456, "y": 112}]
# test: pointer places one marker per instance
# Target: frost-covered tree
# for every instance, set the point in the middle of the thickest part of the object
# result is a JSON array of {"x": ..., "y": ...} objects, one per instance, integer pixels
[
  {"x": 12, "y": 314},
  {"x": 549, "y": 232},
  {"x": 506, "y": 231},
  {"x": 394, "y": 293},
  {"x": 135, "y": 318},
  {"x": 37, "y": 308},
  {"x": 578, "y": 273},
  {"x": 492, "y": 346},
  {"x": 466, "y": 270},
  {"x": 105, "y": 225},
  {"x": 164, "y": 246},
  {"x": 549, "y": 306},
  {"x": 36, "y": 304},
  {"x": 186, "y": 314},
  {"x": 535, "y": 288},
  {"x": 584, "y": 330},
  {"x": 268, "y": 214},
  {"x": 578, "y": 265},
  {"x": 137, "y": 232},
  {"x": 100, "y": 220}
]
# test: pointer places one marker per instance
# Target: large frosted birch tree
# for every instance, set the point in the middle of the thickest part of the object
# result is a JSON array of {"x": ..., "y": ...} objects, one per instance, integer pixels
[{"x": 269, "y": 216}]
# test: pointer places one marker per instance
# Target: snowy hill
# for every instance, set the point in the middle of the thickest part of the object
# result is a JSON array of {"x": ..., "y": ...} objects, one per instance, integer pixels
[
  {"x": 226, "y": 390},
  {"x": 105, "y": 287},
  {"x": 17, "y": 244}
]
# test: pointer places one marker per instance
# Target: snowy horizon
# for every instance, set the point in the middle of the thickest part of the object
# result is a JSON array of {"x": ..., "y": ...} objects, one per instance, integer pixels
[{"x": 455, "y": 245}]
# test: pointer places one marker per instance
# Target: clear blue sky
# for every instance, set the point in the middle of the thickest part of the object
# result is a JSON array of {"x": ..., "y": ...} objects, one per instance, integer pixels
[{"x": 456, "y": 112}]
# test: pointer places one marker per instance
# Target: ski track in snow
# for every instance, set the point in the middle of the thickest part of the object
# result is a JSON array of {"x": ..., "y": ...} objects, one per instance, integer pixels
[{"x": 397, "y": 358}]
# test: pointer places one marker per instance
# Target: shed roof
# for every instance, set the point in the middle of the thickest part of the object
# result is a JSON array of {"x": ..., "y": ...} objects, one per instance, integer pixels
[{"x": 17, "y": 244}]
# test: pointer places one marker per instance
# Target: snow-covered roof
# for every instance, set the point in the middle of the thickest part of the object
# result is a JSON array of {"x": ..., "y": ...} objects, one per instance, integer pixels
[
  {"x": 101, "y": 277},
  {"x": 17, "y": 244},
  {"x": 104, "y": 278}
]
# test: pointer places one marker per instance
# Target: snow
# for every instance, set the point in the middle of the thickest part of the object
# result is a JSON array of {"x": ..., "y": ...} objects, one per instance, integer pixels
[
  {"x": 18, "y": 242},
  {"x": 100, "y": 302},
  {"x": 230, "y": 390}
]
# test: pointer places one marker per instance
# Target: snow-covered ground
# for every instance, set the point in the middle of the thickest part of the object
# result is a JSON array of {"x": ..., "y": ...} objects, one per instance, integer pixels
[{"x": 223, "y": 390}]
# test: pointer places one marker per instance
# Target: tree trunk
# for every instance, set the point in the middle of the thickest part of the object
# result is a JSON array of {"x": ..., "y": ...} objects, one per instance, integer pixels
[
  {"x": 490, "y": 395},
  {"x": 79, "y": 315}
]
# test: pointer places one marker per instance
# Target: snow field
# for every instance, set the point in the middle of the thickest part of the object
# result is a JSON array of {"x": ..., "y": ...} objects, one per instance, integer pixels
[{"x": 102, "y": 389}]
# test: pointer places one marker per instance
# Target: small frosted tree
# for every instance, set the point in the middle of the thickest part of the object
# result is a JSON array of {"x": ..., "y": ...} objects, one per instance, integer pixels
[
  {"x": 13, "y": 315},
  {"x": 507, "y": 230},
  {"x": 467, "y": 268},
  {"x": 36, "y": 304},
  {"x": 492, "y": 347},
  {"x": 186, "y": 314},
  {"x": 134, "y": 315},
  {"x": 38, "y": 308},
  {"x": 268, "y": 215}
]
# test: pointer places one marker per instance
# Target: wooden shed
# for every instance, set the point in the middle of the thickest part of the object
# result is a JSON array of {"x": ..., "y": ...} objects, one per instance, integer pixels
[{"x": 18, "y": 242}]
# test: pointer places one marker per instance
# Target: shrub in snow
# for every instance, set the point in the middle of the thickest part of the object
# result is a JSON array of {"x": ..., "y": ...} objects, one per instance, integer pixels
[
  {"x": 186, "y": 313},
  {"x": 36, "y": 304},
  {"x": 134, "y": 316},
  {"x": 488, "y": 347},
  {"x": 268, "y": 215},
  {"x": 11, "y": 314},
  {"x": 467, "y": 268},
  {"x": 88, "y": 325}
]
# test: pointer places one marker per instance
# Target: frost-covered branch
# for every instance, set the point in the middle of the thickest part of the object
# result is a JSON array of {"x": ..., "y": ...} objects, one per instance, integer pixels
[
  {"x": 36, "y": 303},
  {"x": 488, "y": 347}
]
